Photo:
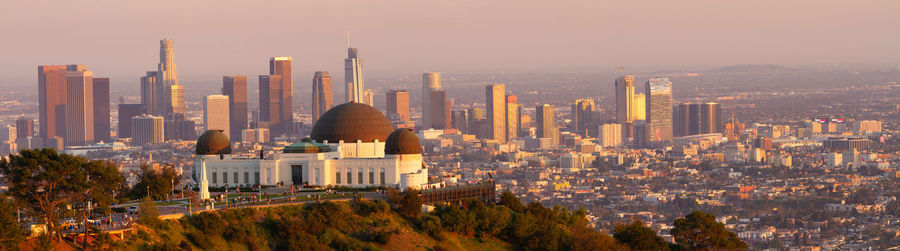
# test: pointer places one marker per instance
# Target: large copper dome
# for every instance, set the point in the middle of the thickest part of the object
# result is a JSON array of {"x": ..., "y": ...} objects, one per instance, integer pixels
[
  {"x": 402, "y": 141},
  {"x": 351, "y": 122},
  {"x": 213, "y": 142}
]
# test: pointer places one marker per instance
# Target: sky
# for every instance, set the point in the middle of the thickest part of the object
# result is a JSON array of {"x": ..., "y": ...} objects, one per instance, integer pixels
[{"x": 120, "y": 39}]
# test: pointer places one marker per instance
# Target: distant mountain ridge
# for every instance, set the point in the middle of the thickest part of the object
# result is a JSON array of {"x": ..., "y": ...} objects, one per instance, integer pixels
[{"x": 751, "y": 68}]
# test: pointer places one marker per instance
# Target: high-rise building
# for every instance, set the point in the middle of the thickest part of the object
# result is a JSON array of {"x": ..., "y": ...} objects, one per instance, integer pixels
[
  {"x": 216, "y": 114},
  {"x": 126, "y": 112},
  {"x": 610, "y": 135},
  {"x": 24, "y": 127},
  {"x": 101, "y": 110},
  {"x": 177, "y": 127},
  {"x": 495, "y": 96},
  {"x": 322, "y": 94},
  {"x": 79, "y": 108},
  {"x": 583, "y": 117},
  {"x": 546, "y": 123},
  {"x": 52, "y": 100},
  {"x": 460, "y": 121},
  {"x": 682, "y": 119},
  {"x": 696, "y": 118},
  {"x": 282, "y": 66},
  {"x": 147, "y": 129},
  {"x": 639, "y": 107},
  {"x": 440, "y": 108},
  {"x": 431, "y": 81},
  {"x": 512, "y": 117},
  {"x": 624, "y": 99},
  {"x": 369, "y": 97},
  {"x": 397, "y": 104},
  {"x": 149, "y": 92},
  {"x": 235, "y": 87},
  {"x": 710, "y": 118},
  {"x": 8, "y": 139},
  {"x": 353, "y": 76},
  {"x": 270, "y": 103},
  {"x": 170, "y": 95},
  {"x": 658, "y": 93}
]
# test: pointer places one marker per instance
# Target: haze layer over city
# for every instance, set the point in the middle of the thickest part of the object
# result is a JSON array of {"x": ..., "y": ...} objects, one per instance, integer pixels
[{"x": 451, "y": 125}]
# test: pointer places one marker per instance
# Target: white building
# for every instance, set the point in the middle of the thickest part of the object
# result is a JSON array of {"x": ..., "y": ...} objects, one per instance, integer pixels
[
  {"x": 215, "y": 113},
  {"x": 610, "y": 135},
  {"x": 350, "y": 145}
]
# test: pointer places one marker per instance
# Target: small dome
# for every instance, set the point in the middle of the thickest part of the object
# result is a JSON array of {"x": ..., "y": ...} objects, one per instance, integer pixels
[
  {"x": 306, "y": 146},
  {"x": 402, "y": 141},
  {"x": 351, "y": 122},
  {"x": 213, "y": 142}
]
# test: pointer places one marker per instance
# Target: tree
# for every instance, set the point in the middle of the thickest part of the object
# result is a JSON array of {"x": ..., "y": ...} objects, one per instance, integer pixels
[
  {"x": 10, "y": 229},
  {"x": 512, "y": 202},
  {"x": 410, "y": 204},
  {"x": 700, "y": 231},
  {"x": 160, "y": 182},
  {"x": 45, "y": 182},
  {"x": 639, "y": 237},
  {"x": 148, "y": 214}
]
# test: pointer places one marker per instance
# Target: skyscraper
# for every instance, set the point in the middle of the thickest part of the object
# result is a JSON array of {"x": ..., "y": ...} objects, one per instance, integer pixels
[
  {"x": 168, "y": 89},
  {"x": 24, "y": 128},
  {"x": 583, "y": 117},
  {"x": 147, "y": 129},
  {"x": 610, "y": 135},
  {"x": 126, "y": 112},
  {"x": 624, "y": 99},
  {"x": 177, "y": 127},
  {"x": 369, "y": 97},
  {"x": 322, "y": 94},
  {"x": 269, "y": 102},
  {"x": 546, "y": 123},
  {"x": 353, "y": 76},
  {"x": 431, "y": 81},
  {"x": 460, "y": 120},
  {"x": 79, "y": 108},
  {"x": 639, "y": 109},
  {"x": 149, "y": 92},
  {"x": 512, "y": 117},
  {"x": 397, "y": 104},
  {"x": 495, "y": 96},
  {"x": 101, "y": 110},
  {"x": 710, "y": 118},
  {"x": 282, "y": 66},
  {"x": 440, "y": 109},
  {"x": 52, "y": 100},
  {"x": 216, "y": 114},
  {"x": 235, "y": 87},
  {"x": 658, "y": 93}
]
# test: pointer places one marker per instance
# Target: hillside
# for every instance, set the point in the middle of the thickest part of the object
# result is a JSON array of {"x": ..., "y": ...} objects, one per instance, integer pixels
[
  {"x": 367, "y": 225},
  {"x": 374, "y": 225}
]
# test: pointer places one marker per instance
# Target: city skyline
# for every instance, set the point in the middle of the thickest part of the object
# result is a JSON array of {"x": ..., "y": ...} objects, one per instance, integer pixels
[
  {"x": 466, "y": 125},
  {"x": 705, "y": 30}
]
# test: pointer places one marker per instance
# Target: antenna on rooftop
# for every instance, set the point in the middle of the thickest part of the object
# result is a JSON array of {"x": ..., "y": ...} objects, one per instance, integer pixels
[{"x": 621, "y": 71}]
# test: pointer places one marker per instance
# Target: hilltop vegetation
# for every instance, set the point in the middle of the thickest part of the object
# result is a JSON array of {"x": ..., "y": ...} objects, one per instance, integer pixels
[{"x": 379, "y": 225}]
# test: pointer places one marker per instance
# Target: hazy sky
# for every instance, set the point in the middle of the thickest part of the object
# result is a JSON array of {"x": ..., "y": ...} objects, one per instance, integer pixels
[{"x": 212, "y": 38}]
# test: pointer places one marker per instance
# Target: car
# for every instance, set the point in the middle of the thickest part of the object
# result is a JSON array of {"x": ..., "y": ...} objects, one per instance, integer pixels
[{"x": 133, "y": 209}]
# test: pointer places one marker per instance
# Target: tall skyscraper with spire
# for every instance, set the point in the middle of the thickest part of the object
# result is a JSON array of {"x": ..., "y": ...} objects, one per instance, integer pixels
[
  {"x": 170, "y": 95},
  {"x": 353, "y": 76},
  {"x": 322, "y": 94}
]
